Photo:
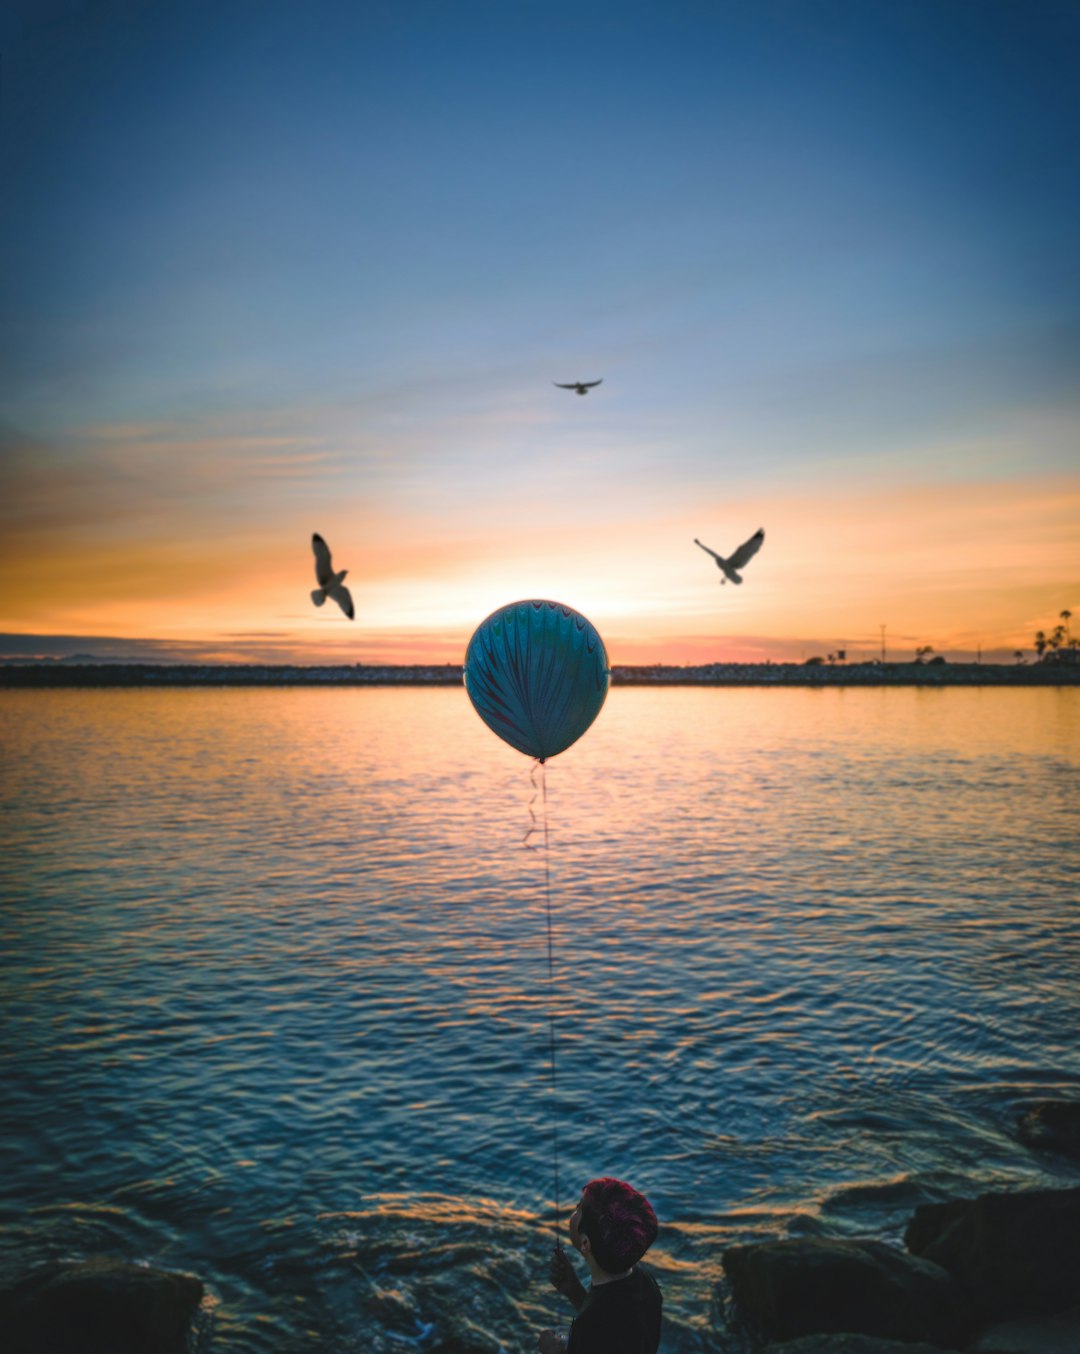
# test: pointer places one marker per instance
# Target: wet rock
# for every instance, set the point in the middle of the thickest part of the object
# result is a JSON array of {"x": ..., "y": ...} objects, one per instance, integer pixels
[
  {"x": 1058, "y": 1334},
  {"x": 99, "y": 1306},
  {"x": 849, "y": 1344},
  {"x": 394, "y": 1310},
  {"x": 457, "y": 1345},
  {"x": 1013, "y": 1254},
  {"x": 1052, "y": 1126},
  {"x": 787, "y": 1289}
]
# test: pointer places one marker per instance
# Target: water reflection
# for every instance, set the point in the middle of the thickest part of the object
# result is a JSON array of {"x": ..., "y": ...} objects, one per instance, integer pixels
[{"x": 276, "y": 1001}]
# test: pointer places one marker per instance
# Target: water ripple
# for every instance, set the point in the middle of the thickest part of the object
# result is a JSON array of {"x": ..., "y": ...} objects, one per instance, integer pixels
[{"x": 276, "y": 999}]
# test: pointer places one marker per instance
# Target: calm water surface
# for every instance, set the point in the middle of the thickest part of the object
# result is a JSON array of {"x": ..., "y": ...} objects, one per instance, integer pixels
[{"x": 273, "y": 974}]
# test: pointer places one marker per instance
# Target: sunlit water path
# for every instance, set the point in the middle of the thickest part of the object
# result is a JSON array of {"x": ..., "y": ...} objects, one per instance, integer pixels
[{"x": 273, "y": 981}]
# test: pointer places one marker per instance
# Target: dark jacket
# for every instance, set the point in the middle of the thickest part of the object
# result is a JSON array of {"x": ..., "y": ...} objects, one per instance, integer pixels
[{"x": 620, "y": 1317}]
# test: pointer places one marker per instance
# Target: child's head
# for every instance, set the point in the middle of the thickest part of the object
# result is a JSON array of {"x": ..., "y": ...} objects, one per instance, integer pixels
[{"x": 619, "y": 1222}]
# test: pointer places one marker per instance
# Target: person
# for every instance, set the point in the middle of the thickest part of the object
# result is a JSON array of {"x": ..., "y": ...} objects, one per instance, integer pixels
[{"x": 613, "y": 1226}]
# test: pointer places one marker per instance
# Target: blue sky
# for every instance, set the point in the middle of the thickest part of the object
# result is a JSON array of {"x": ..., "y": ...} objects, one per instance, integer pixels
[{"x": 275, "y": 267}]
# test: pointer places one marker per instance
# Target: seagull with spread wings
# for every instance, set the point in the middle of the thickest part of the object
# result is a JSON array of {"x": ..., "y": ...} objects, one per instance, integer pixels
[
  {"x": 330, "y": 583},
  {"x": 582, "y": 387},
  {"x": 738, "y": 558}
]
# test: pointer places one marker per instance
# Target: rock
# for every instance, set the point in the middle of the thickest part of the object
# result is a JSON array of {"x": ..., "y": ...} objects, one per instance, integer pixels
[
  {"x": 456, "y": 1345},
  {"x": 1013, "y": 1254},
  {"x": 1058, "y": 1334},
  {"x": 99, "y": 1306},
  {"x": 811, "y": 1286},
  {"x": 849, "y": 1344},
  {"x": 1052, "y": 1126}
]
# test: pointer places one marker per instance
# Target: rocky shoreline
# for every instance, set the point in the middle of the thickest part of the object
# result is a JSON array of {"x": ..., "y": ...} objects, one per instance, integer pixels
[
  {"x": 74, "y": 674},
  {"x": 995, "y": 1274},
  {"x": 998, "y": 1273}
]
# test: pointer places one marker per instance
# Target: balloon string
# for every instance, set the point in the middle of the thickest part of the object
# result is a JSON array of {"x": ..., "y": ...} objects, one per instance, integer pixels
[
  {"x": 551, "y": 1005},
  {"x": 532, "y": 829},
  {"x": 540, "y": 788}
]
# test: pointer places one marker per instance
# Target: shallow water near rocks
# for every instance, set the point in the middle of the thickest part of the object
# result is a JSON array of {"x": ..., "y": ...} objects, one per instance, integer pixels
[{"x": 273, "y": 972}]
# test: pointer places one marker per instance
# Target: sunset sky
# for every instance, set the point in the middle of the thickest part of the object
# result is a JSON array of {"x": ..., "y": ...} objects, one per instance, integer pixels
[{"x": 273, "y": 268}]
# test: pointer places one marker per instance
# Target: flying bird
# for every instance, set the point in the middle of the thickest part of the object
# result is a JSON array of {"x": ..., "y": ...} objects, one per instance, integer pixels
[
  {"x": 330, "y": 583},
  {"x": 582, "y": 387},
  {"x": 738, "y": 558}
]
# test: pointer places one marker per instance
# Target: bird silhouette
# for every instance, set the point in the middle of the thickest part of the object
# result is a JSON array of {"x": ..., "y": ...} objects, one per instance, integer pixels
[
  {"x": 582, "y": 387},
  {"x": 738, "y": 558},
  {"x": 330, "y": 583}
]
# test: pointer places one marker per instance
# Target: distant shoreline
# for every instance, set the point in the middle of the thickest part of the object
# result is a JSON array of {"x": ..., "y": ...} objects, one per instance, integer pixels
[{"x": 58, "y": 673}]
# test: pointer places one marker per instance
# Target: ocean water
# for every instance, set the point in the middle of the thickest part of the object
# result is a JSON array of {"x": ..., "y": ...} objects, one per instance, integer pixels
[{"x": 275, "y": 996}]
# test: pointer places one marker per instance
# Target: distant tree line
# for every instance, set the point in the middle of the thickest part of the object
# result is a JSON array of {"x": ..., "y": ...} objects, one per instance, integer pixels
[{"x": 1059, "y": 646}]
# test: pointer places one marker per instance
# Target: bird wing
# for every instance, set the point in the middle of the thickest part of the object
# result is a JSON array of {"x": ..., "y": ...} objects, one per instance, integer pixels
[
  {"x": 747, "y": 550},
  {"x": 343, "y": 597},
  {"x": 563, "y": 386},
  {"x": 706, "y": 549},
  {"x": 589, "y": 384},
  {"x": 324, "y": 570}
]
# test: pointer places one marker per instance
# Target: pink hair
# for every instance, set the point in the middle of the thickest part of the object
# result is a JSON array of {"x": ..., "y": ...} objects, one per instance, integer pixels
[{"x": 619, "y": 1222}]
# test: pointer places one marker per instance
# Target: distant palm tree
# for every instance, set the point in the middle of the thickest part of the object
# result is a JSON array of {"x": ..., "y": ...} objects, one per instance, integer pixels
[
  {"x": 922, "y": 651},
  {"x": 1040, "y": 643},
  {"x": 1066, "y": 616},
  {"x": 1018, "y": 654}
]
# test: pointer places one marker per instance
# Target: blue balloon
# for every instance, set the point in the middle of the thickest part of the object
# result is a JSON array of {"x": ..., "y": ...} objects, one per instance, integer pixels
[{"x": 537, "y": 674}]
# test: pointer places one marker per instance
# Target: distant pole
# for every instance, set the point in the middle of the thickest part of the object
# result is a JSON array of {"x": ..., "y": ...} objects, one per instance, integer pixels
[
  {"x": 883, "y": 643},
  {"x": 978, "y": 651}
]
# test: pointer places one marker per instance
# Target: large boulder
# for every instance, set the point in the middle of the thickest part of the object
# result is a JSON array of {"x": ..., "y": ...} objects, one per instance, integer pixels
[
  {"x": 1058, "y": 1334},
  {"x": 1013, "y": 1254},
  {"x": 1052, "y": 1126},
  {"x": 811, "y": 1286},
  {"x": 98, "y": 1306}
]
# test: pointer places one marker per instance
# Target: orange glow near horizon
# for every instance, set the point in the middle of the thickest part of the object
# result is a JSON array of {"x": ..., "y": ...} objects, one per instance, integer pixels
[{"x": 954, "y": 566}]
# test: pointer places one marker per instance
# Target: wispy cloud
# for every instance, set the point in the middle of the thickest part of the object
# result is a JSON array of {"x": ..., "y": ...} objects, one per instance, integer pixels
[{"x": 201, "y": 529}]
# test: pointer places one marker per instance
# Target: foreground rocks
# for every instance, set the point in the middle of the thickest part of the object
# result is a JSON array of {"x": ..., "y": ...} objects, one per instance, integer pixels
[
  {"x": 793, "y": 1288},
  {"x": 849, "y": 1344},
  {"x": 1052, "y": 1126},
  {"x": 997, "y": 1274},
  {"x": 1059, "y": 1334},
  {"x": 98, "y": 1306},
  {"x": 1012, "y": 1254}
]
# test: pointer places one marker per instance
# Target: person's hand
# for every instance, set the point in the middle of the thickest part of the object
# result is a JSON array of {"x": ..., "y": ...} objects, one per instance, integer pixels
[
  {"x": 561, "y": 1272},
  {"x": 564, "y": 1280},
  {"x": 550, "y": 1342}
]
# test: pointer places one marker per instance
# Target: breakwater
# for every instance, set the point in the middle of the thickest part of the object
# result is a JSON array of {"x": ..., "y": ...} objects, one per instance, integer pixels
[{"x": 64, "y": 674}]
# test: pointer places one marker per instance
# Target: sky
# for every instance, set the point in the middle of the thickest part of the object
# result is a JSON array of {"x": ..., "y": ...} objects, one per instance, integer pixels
[{"x": 278, "y": 268}]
